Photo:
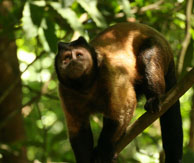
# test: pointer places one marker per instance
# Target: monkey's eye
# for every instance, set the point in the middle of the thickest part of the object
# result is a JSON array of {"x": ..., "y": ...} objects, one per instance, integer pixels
[
  {"x": 79, "y": 55},
  {"x": 66, "y": 59}
]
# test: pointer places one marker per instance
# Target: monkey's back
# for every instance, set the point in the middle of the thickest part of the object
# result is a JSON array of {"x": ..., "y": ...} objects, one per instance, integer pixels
[{"x": 122, "y": 44}]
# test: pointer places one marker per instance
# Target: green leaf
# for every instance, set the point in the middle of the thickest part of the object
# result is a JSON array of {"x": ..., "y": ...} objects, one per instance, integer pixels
[
  {"x": 91, "y": 7},
  {"x": 47, "y": 35},
  {"x": 50, "y": 36},
  {"x": 42, "y": 36},
  {"x": 67, "y": 3},
  {"x": 69, "y": 15},
  {"x": 126, "y": 8},
  {"x": 36, "y": 13},
  {"x": 29, "y": 27}
]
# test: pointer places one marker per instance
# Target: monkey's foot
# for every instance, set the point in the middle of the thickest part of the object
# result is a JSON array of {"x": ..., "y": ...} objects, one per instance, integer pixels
[{"x": 152, "y": 105}]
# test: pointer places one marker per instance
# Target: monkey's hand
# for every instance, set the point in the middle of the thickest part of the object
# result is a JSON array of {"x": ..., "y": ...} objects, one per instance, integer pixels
[
  {"x": 152, "y": 105},
  {"x": 103, "y": 156}
]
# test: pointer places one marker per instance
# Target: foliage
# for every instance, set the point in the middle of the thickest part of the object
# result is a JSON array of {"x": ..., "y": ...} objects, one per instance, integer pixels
[{"x": 43, "y": 24}]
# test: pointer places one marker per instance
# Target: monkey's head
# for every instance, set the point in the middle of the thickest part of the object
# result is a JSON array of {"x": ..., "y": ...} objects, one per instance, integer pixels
[{"x": 74, "y": 60}]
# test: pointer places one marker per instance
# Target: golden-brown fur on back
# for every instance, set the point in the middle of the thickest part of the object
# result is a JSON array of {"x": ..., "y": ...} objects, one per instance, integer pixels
[{"x": 120, "y": 45}]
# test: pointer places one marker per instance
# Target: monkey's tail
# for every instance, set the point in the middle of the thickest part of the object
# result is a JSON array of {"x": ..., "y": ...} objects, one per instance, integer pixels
[{"x": 171, "y": 124}]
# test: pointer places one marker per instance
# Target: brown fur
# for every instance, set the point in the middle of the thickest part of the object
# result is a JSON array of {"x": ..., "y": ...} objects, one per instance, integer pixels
[{"x": 130, "y": 59}]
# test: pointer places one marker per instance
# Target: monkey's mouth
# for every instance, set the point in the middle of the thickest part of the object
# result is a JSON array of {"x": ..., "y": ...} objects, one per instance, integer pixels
[
  {"x": 73, "y": 70},
  {"x": 75, "y": 66}
]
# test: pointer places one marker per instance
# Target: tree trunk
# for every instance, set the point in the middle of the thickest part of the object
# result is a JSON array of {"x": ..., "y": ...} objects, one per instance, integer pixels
[{"x": 13, "y": 131}]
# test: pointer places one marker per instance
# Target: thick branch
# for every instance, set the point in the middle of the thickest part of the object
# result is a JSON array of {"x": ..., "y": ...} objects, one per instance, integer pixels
[{"x": 146, "y": 119}]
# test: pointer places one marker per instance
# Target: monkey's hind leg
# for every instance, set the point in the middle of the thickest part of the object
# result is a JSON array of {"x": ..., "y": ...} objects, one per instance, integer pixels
[
  {"x": 156, "y": 84},
  {"x": 151, "y": 67}
]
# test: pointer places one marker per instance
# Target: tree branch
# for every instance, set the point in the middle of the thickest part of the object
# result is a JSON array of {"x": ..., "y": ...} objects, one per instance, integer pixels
[
  {"x": 13, "y": 85},
  {"x": 187, "y": 38},
  {"x": 147, "y": 118},
  {"x": 154, "y": 6}
]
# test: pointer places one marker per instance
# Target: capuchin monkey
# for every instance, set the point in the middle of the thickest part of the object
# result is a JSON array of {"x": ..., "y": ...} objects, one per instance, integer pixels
[{"x": 106, "y": 76}]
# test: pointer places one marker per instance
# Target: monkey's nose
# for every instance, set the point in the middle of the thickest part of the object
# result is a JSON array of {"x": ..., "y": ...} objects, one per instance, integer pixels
[{"x": 74, "y": 57}]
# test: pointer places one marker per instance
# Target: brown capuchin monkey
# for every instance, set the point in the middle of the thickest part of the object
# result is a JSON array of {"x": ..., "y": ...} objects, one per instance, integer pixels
[{"x": 106, "y": 76}]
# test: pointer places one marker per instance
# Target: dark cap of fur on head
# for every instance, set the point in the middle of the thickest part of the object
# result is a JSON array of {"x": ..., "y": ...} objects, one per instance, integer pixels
[{"x": 80, "y": 41}]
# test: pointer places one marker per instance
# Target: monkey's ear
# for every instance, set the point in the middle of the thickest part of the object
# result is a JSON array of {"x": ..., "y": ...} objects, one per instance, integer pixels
[
  {"x": 81, "y": 40},
  {"x": 62, "y": 45}
]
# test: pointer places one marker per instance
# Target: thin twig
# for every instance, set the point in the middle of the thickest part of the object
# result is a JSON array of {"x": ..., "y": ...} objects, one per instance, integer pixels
[
  {"x": 32, "y": 100},
  {"x": 187, "y": 38},
  {"x": 154, "y": 6},
  {"x": 44, "y": 144},
  {"x": 14, "y": 84},
  {"x": 13, "y": 113}
]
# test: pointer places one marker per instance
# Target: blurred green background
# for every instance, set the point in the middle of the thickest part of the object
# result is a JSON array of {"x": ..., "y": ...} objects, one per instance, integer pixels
[{"x": 32, "y": 123}]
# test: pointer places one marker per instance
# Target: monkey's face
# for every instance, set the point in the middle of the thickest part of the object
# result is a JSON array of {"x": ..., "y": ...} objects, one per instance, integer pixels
[{"x": 74, "y": 62}]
